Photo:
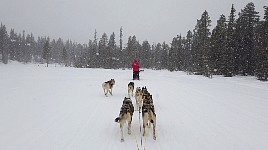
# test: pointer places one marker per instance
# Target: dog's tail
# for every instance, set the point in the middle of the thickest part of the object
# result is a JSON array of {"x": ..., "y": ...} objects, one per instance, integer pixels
[{"x": 117, "y": 119}]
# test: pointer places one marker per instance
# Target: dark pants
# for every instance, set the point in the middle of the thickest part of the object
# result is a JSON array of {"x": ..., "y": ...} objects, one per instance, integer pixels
[{"x": 136, "y": 75}]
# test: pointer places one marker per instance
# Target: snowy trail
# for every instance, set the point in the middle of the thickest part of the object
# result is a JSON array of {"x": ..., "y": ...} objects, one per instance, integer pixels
[{"x": 59, "y": 108}]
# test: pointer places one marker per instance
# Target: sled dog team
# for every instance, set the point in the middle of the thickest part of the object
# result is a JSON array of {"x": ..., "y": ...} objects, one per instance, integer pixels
[{"x": 144, "y": 104}]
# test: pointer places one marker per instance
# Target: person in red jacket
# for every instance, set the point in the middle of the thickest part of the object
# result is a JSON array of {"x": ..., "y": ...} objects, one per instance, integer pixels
[{"x": 136, "y": 69}]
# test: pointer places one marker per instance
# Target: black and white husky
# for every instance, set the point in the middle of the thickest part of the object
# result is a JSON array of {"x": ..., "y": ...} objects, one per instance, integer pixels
[
  {"x": 108, "y": 86},
  {"x": 148, "y": 113},
  {"x": 125, "y": 115},
  {"x": 130, "y": 88}
]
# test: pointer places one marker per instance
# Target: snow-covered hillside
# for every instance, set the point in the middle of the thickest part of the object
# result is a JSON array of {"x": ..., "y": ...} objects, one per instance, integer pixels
[{"x": 58, "y": 108}]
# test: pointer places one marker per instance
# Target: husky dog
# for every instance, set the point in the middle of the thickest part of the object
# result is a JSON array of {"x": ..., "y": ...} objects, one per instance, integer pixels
[
  {"x": 148, "y": 99},
  {"x": 108, "y": 86},
  {"x": 138, "y": 97},
  {"x": 144, "y": 90},
  {"x": 125, "y": 114},
  {"x": 148, "y": 113},
  {"x": 130, "y": 88}
]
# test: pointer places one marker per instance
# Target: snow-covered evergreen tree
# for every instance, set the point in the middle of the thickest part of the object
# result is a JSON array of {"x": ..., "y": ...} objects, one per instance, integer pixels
[
  {"x": 164, "y": 56},
  {"x": 201, "y": 44},
  {"x": 47, "y": 52},
  {"x": 230, "y": 45},
  {"x": 111, "y": 51},
  {"x": 246, "y": 23},
  {"x": 4, "y": 44},
  {"x": 121, "y": 39},
  {"x": 144, "y": 54},
  {"x": 12, "y": 46},
  {"x": 218, "y": 46},
  {"x": 262, "y": 48},
  {"x": 173, "y": 55},
  {"x": 64, "y": 56},
  {"x": 189, "y": 52},
  {"x": 103, "y": 43}
]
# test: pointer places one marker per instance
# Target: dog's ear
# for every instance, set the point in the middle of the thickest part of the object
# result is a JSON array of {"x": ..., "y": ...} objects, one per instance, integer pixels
[{"x": 126, "y": 98}]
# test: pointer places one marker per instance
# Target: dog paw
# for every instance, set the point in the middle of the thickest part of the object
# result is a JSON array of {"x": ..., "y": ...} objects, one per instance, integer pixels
[
  {"x": 154, "y": 138},
  {"x": 122, "y": 140}
]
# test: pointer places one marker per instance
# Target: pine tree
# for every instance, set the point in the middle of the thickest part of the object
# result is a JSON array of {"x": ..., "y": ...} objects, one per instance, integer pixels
[
  {"x": 103, "y": 53},
  {"x": 179, "y": 59},
  {"x": 230, "y": 45},
  {"x": 173, "y": 55},
  {"x": 131, "y": 50},
  {"x": 189, "y": 52},
  {"x": 246, "y": 23},
  {"x": 57, "y": 51},
  {"x": 96, "y": 54},
  {"x": 12, "y": 46},
  {"x": 218, "y": 46},
  {"x": 40, "y": 49},
  {"x": 64, "y": 56},
  {"x": 33, "y": 46},
  {"x": 71, "y": 52},
  {"x": 145, "y": 54},
  {"x": 23, "y": 47},
  {"x": 111, "y": 51},
  {"x": 156, "y": 55},
  {"x": 184, "y": 54},
  {"x": 164, "y": 56},
  {"x": 90, "y": 49},
  {"x": 238, "y": 63},
  {"x": 28, "y": 48},
  {"x": 262, "y": 49},
  {"x": 195, "y": 50},
  {"x": 4, "y": 43},
  {"x": 46, "y": 52},
  {"x": 121, "y": 39},
  {"x": 201, "y": 46}
]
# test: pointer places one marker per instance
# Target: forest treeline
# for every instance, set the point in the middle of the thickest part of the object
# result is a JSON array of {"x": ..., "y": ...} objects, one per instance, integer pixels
[{"x": 237, "y": 45}]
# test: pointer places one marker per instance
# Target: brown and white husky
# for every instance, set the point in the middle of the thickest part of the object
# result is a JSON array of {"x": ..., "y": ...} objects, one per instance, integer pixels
[
  {"x": 125, "y": 115},
  {"x": 108, "y": 86},
  {"x": 138, "y": 97}
]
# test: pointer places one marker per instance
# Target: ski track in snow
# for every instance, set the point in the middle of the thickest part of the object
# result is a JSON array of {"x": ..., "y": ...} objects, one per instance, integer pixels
[{"x": 58, "y": 108}]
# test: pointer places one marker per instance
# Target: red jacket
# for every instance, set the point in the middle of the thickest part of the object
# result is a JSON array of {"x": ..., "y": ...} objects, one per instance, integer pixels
[{"x": 135, "y": 65}]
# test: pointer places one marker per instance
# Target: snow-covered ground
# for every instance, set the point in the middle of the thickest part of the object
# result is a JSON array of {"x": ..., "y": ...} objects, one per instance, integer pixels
[{"x": 58, "y": 108}]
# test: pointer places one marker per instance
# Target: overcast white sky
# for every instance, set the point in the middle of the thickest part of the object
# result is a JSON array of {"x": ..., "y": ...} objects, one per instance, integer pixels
[{"x": 152, "y": 20}]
